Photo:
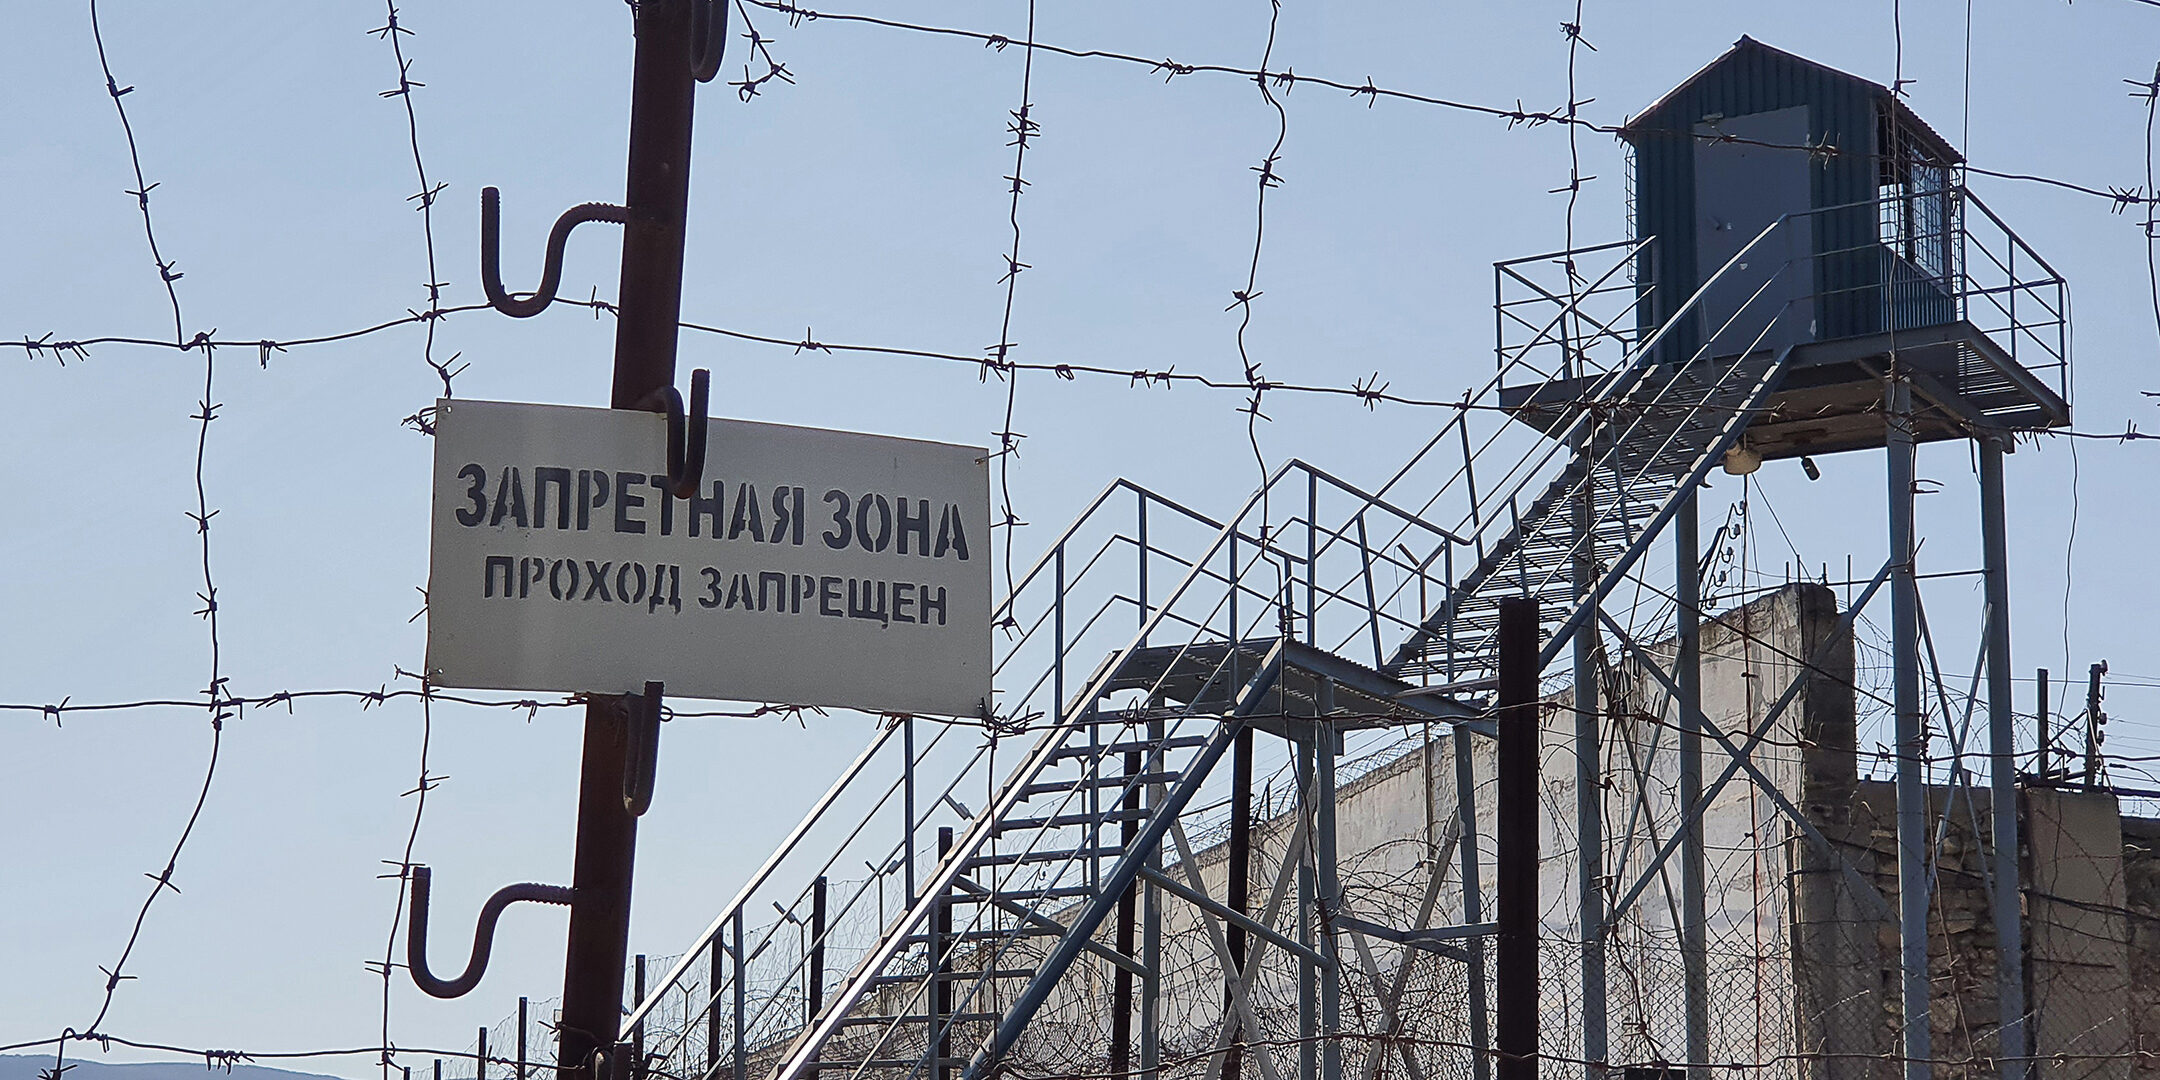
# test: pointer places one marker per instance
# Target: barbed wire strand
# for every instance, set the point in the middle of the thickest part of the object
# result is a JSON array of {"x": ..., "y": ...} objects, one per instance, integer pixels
[
  {"x": 163, "y": 879},
  {"x": 750, "y": 85},
  {"x": 1268, "y": 178},
  {"x": 402, "y": 870},
  {"x": 1023, "y": 128},
  {"x": 237, "y": 705},
  {"x": 227, "y": 1058},
  {"x": 2149, "y": 92},
  {"x": 391, "y": 30},
  {"x": 1572, "y": 332},
  {"x": 1170, "y": 69},
  {"x": 1369, "y": 392}
]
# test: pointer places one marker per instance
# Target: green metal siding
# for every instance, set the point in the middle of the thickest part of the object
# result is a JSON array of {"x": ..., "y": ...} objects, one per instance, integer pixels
[{"x": 1842, "y": 113}]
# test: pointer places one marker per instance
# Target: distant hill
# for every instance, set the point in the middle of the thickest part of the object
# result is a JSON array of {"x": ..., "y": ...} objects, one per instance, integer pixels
[{"x": 28, "y": 1066}]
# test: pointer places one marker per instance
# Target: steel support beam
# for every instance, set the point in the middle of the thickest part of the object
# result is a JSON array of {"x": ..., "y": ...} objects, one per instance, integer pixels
[
  {"x": 1236, "y": 919},
  {"x": 1391, "y": 1017},
  {"x": 1151, "y": 926},
  {"x": 1239, "y": 888},
  {"x": 1128, "y": 926},
  {"x": 1589, "y": 786},
  {"x": 1308, "y": 1000},
  {"x": 2013, "y": 1050},
  {"x": 1687, "y": 674},
  {"x": 1331, "y": 895},
  {"x": 1240, "y": 988},
  {"x": 1911, "y": 736},
  {"x": 1473, "y": 900}
]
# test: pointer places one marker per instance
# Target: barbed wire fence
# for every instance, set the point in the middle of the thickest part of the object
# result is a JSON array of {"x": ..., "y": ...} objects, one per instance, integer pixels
[{"x": 220, "y": 704}]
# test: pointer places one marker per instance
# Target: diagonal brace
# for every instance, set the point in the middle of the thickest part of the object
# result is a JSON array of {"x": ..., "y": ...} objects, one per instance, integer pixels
[
  {"x": 1221, "y": 911},
  {"x": 1755, "y": 737},
  {"x": 1743, "y": 758}
]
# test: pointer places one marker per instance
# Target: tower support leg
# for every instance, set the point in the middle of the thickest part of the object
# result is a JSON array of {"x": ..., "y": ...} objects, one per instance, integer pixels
[
  {"x": 1589, "y": 790},
  {"x": 1687, "y": 673},
  {"x": 1473, "y": 900},
  {"x": 1912, "y": 833},
  {"x": 2012, "y": 1051}
]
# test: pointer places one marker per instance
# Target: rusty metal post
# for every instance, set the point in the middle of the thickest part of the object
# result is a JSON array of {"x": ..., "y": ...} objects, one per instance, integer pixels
[
  {"x": 649, "y": 305},
  {"x": 1516, "y": 907},
  {"x": 2042, "y": 766}
]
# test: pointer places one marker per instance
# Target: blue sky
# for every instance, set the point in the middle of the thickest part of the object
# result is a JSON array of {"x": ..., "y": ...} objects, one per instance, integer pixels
[{"x": 864, "y": 202}]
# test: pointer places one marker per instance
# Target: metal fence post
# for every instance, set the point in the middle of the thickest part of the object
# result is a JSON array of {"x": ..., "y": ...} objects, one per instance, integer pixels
[
  {"x": 649, "y": 307},
  {"x": 1516, "y": 907},
  {"x": 637, "y": 1032},
  {"x": 742, "y": 964}
]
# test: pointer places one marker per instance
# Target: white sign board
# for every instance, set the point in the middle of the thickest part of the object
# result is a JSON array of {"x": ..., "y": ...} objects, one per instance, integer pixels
[{"x": 813, "y": 567}]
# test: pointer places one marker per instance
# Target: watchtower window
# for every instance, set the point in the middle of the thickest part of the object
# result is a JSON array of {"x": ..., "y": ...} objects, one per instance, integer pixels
[{"x": 1916, "y": 205}]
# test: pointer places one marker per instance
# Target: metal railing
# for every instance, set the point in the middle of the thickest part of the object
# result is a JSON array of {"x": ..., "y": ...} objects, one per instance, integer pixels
[{"x": 1309, "y": 557}]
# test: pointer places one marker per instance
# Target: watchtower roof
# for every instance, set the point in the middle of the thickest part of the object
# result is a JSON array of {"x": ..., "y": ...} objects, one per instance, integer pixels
[{"x": 1666, "y": 114}]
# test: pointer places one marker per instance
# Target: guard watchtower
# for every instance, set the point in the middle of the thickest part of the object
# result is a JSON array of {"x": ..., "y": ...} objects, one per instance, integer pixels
[
  {"x": 1776, "y": 201},
  {"x": 1806, "y": 274}
]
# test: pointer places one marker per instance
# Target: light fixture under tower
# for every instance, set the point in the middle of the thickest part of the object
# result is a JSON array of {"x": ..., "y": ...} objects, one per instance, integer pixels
[{"x": 1740, "y": 460}]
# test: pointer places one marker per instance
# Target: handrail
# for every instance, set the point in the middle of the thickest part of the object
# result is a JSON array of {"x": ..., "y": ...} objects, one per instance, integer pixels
[{"x": 772, "y": 862}]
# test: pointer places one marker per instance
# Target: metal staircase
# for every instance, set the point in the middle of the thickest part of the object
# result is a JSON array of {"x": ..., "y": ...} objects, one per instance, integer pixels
[
  {"x": 1650, "y": 439},
  {"x": 1254, "y": 630}
]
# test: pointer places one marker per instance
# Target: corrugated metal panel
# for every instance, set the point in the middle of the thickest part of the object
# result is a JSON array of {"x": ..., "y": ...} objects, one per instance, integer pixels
[{"x": 1843, "y": 112}]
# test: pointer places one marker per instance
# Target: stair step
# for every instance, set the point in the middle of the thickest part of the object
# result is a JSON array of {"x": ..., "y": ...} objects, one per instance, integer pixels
[
  {"x": 1059, "y": 787},
  {"x": 887, "y": 1063},
  {"x": 960, "y": 1018},
  {"x": 1059, "y": 821},
  {"x": 955, "y": 976},
  {"x": 1015, "y": 858},
  {"x": 1028, "y": 896},
  {"x": 1179, "y": 742},
  {"x": 1023, "y": 930}
]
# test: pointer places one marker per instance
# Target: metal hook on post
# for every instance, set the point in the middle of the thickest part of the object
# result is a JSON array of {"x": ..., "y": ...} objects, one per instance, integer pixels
[
  {"x": 641, "y": 760},
  {"x": 526, "y": 307},
  {"x": 708, "y": 37},
  {"x": 686, "y": 436},
  {"x": 483, "y": 934}
]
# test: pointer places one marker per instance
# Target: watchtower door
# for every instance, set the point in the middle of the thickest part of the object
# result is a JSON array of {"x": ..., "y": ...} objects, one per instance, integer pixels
[{"x": 1741, "y": 187}]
